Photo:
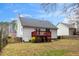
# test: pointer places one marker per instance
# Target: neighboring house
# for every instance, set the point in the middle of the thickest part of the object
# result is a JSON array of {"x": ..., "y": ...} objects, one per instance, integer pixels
[
  {"x": 12, "y": 28},
  {"x": 65, "y": 29},
  {"x": 28, "y": 27}
]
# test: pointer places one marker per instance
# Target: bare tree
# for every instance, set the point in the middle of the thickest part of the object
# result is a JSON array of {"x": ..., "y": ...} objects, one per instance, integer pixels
[
  {"x": 67, "y": 8},
  {"x": 49, "y": 7}
]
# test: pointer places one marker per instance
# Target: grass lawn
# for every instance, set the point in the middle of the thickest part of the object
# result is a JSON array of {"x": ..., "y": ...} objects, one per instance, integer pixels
[{"x": 54, "y": 48}]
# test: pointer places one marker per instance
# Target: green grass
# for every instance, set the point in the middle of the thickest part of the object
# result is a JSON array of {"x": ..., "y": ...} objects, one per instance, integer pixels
[
  {"x": 54, "y": 48},
  {"x": 54, "y": 53}
]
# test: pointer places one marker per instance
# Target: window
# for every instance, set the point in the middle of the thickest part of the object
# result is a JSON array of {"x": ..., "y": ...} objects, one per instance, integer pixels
[
  {"x": 42, "y": 30},
  {"x": 47, "y": 30},
  {"x": 38, "y": 30}
]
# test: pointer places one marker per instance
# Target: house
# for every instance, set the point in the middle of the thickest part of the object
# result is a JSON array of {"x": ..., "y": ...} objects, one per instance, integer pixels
[
  {"x": 29, "y": 27},
  {"x": 68, "y": 29}
]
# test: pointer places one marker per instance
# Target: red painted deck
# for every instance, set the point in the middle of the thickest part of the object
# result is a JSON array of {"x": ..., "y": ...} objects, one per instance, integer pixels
[{"x": 41, "y": 33}]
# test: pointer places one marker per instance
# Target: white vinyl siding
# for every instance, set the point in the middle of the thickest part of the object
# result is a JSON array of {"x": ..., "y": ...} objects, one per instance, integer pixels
[
  {"x": 53, "y": 34},
  {"x": 27, "y": 33},
  {"x": 19, "y": 29},
  {"x": 62, "y": 30}
]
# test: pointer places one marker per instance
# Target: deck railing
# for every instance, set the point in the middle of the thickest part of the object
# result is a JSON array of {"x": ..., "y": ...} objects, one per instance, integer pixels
[{"x": 41, "y": 33}]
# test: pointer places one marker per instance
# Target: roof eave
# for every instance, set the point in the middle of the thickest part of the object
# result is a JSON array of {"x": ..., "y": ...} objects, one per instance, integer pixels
[{"x": 39, "y": 27}]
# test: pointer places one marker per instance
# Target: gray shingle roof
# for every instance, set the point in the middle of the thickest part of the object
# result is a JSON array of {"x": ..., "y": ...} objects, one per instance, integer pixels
[{"x": 30, "y": 22}]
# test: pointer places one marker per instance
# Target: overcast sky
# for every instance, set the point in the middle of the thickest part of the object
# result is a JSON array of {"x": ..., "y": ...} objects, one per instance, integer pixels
[{"x": 10, "y": 11}]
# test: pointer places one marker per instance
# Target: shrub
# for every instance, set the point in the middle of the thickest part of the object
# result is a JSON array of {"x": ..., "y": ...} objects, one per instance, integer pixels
[
  {"x": 30, "y": 40},
  {"x": 33, "y": 39},
  {"x": 9, "y": 37}
]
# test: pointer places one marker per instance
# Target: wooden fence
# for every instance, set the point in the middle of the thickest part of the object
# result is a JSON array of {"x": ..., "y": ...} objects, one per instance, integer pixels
[
  {"x": 3, "y": 43},
  {"x": 3, "y": 39}
]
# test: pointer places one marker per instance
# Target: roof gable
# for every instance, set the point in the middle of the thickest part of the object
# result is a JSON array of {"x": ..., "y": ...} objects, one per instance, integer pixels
[{"x": 69, "y": 25}]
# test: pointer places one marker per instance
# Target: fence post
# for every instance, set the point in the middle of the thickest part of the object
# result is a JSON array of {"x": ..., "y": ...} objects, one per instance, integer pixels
[
  {"x": 0, "y": 41},
  {"x": 0, "y": 44}
]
